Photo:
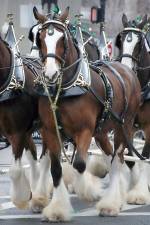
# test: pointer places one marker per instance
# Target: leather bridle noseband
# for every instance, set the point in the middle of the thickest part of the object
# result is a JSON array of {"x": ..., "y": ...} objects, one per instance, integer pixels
[{"x": 52, "y": 55}]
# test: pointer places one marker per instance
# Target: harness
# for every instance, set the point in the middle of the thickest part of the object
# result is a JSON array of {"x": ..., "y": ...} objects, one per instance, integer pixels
[
  {"x": 146, "y": 92},
  {"x": 35, "y": 65},
  {"x": 107, "y": 103},
  {"x": 82, "y": 78},
  {"x": 16, "y": 78},
  {"x": 7, "y": 84}
]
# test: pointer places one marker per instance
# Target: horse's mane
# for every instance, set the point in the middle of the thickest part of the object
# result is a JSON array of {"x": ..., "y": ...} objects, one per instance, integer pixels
[{"x": 86, "y": 34}]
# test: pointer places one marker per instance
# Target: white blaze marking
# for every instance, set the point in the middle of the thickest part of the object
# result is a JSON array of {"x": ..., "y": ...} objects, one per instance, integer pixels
[
  {"x": 52, "y": 65},
  {"x": 128, "y": 48}
]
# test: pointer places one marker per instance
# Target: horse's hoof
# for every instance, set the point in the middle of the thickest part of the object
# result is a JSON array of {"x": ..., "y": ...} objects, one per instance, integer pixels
[
  {"x": 44, "y": 219},
  {"x": 37, "y": 204},
  {"x": 108, "y": 212},
  {"x": 137, "y": 201},
  {"x": 37, "y": 209},
  {"x": 21, "y": 205},
  {"x": 53, "y": 219},
  {"x": 52, "y": 214}
]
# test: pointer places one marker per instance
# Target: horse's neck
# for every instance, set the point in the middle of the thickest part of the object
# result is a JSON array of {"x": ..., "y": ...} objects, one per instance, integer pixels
[
  {"x": 144, "y": 61},
  {"x": 91, "y": 48},
  {"x": 71, "y": 58},
  {"x": 4, "y": 62},
  {"x": 93, "y": 52}
]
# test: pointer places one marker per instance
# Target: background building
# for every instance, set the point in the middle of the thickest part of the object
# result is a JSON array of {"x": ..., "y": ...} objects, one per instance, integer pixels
[{"x": 23, "y": 16}]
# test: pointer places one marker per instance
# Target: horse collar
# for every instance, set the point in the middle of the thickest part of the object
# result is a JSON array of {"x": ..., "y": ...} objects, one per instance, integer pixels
[
  {"x": 16, "y": 77},
  {"x": 6, "y": 85},
  {"x": 82, "y": 76}
]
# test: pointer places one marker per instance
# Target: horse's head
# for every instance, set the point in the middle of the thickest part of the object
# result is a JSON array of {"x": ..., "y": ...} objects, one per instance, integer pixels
[
  {"x": 131, "y": 41},
  {"x": 51, "y": 40},
  {"x": 91, "y": 48}
]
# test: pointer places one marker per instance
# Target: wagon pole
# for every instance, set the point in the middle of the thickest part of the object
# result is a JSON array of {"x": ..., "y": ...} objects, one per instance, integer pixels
[{"x": 126, "y": 157}]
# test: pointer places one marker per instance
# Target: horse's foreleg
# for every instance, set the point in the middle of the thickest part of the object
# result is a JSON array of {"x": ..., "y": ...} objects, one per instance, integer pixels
[
  {"x": 139, "y": 193},
  {"x": 103, "y": 142},
  {"x": 146, "y": 150},
  {"x": 111, "y": 201},
  {"x": 114, "y": 195},
  {"x": 83, "y": 182},
  {"x": 43, "y": 186},
  {"x": 59, "y": 209},
  {"x": 31, "y": 155},
  {"x": 20, "y": 187}
]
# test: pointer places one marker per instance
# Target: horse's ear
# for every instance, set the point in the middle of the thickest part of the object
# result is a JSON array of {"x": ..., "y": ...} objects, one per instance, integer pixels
[
  {"x": 142, "y": 24},
  {"x": 41, "y": 18},
  {"x": 124, "y": 20},
  {"x": 65, "y": 15},
  {"x": 148, "y": 20}
]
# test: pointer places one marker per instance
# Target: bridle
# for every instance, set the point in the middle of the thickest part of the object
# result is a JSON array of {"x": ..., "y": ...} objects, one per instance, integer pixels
[
  {"x": 141, "y": 36},
  {"x": 62, "y": 59}
]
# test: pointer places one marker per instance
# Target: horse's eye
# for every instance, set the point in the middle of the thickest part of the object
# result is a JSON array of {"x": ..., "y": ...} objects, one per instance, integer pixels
[{"x": 62, "y": 38}]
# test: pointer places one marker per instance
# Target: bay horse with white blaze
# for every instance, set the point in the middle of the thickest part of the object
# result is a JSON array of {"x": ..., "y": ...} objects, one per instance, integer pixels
[
  {"x": 40, "y": 195},
  {"x": 135, "y": 53},
  {"x": 18, "y": 111},
  {"x": 110, "y": 101}
]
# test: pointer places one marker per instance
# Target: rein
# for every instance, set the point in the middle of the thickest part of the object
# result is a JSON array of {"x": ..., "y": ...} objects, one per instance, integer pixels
[
  {"x": 128, "y": 56},
  {"x": 64, "y": 69},
  {"x": 143, "y": 68},
  {"x": 53, "y": 105}
]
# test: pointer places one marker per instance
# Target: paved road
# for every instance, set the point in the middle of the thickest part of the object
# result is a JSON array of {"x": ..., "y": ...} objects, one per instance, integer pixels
[{"x": 84, "y": 212}]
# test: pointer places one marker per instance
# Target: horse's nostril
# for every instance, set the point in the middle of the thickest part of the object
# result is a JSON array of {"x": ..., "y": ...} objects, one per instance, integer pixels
[{"x": 54, "y": 77}]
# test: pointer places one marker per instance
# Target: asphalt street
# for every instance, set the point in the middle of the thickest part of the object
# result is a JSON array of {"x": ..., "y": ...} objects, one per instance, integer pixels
[{"x": 84, "y": 212}]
